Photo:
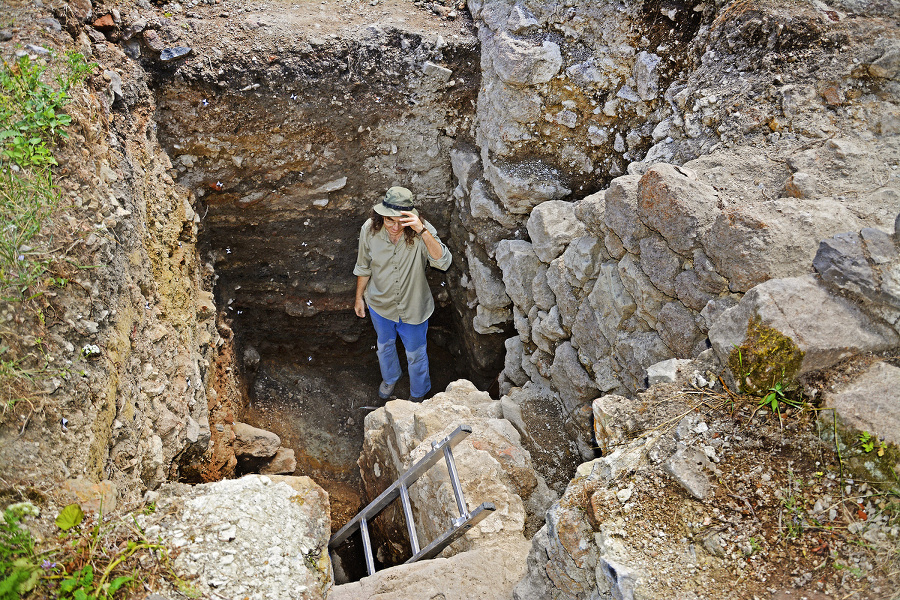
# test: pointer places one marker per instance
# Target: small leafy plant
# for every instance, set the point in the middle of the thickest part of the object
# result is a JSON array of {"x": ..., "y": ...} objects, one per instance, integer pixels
[
  {"x": 19, "y": 572},
  {"x": 91, "y": 559},
  {"x": 869, "y": 443},
  {"x": 775, "y": 398},
  {"x": 31, "y": 115}
]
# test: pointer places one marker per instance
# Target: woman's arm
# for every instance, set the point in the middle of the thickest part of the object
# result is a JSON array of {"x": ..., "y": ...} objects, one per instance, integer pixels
[{"x": 360, "y": 305}]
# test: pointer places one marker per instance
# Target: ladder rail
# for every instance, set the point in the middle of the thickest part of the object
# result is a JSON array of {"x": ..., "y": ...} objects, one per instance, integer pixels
[
  {"x": 457, "y": 487},
  {"x": 407, "y": 479},
  {"x": 367, "y": 545},
  {"x": 410, "y": 523}
]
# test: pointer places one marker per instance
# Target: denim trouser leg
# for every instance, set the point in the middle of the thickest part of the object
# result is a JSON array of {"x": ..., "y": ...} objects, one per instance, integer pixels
[
  {"x": 388, "y": 361},
  {"x": 386, "y": 347},
  {"x": 413, "y": 338},
  {"x": 419, "y": 378}
]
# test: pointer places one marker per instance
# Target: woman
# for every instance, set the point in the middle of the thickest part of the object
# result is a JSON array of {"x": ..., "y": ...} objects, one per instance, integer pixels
[{"x": 395, "y": 246}]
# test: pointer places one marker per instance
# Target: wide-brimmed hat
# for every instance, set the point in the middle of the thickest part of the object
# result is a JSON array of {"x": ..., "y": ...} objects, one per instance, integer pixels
[{"x": 396, "y": 199}]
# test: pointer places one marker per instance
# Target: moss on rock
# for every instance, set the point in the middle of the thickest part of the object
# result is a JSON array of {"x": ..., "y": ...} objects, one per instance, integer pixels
[{"x": 765, "y": 358}]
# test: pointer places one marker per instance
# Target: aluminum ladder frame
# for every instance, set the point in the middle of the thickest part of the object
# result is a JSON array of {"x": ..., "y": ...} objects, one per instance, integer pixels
[{"x": 400, "y": 488}]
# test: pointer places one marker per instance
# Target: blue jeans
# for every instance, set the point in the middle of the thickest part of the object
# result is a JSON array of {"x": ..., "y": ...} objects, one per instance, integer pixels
[{"x": 413, "y": 338}]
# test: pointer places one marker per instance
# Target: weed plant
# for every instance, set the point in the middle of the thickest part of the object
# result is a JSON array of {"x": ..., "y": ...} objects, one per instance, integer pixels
[
  {"x": 31, "y": 122},
  {"x": 33, "y": 95},
  {"x": 18, "y": 571},
  {"x": 88, "y": 559}
]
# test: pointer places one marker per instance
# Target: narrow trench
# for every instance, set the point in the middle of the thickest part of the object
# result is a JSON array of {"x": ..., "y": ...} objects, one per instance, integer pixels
[
  {"x": 284, "y": 175},
  {"x": 315, "y": 393}
]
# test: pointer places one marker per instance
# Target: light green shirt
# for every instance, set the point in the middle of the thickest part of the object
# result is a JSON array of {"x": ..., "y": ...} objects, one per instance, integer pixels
[{"x": 397, "y": 288}]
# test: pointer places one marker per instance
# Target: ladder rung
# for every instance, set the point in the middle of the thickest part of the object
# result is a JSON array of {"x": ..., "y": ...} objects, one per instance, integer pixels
[{"x": 450, "y": 536}]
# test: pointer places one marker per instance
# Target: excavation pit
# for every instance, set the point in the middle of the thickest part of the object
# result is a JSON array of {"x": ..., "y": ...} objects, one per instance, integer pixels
[{"x": 285, "y": 158}]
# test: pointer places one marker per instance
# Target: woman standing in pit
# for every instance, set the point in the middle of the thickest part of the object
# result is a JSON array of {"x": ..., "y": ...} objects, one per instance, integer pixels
[{"x": 395, "y": 246}]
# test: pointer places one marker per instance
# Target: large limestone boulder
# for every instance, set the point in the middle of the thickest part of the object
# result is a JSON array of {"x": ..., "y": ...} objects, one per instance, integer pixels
[
  {"x": 868, "y": 402},
  {"x": 275, "y": 528},
  {"x": 551, "y": 226},
  {"x": 785, "y": 328},
  {"x": 482, "y": 573},
  {"x": 674, "y": 203},
  {"x": 864, "y": 266},
  {"x": 520, "y": 265},
  {"x": 522, "y": 186},
  {"x": 521, "y": 61}
]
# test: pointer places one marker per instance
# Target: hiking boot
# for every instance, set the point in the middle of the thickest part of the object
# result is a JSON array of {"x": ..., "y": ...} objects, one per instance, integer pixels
[
  {"x": 385, "y": 390},
  {"x": 416, "y": 398}
]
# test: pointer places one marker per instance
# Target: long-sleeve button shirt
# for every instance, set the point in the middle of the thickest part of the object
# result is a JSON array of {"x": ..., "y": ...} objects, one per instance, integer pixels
[{"x": 397, "y": 288}]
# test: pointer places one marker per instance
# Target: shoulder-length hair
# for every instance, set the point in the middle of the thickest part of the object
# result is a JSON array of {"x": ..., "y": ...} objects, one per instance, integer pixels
[{"x": 408, "y": 233}]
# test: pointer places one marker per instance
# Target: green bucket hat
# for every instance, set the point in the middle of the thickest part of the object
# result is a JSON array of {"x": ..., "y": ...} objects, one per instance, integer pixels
[{"x": 396, "y": 199}]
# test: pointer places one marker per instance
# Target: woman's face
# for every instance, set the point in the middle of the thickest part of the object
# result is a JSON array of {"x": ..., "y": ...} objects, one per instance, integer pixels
[{"x": 393, "y": 225}]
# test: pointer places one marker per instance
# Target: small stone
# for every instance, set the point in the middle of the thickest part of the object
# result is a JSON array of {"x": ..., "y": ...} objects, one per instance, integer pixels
[
  {"x": 115, "y": 86},
  {"x": 437, "y": 71},
  {"x": 170, "y": 54},
  {"x": 566, "y": 118},
  {"x": 626, "y": 93},
  {"x": 106, "y": 21},
  {"x": 687, "y": 467},
  {"x": 284, "y": 462},
  {"x": 801, "y": 185},
  {"x": 624, "y": 495},
  {"x": 40, "y": 50},
  {"x": 95, "y": 35},
  {"x": 81, "y": 9},
  {"x": 832, "y": 94},
  {"x": 228, "y": 534},
  {"x": 255, "y": 442},
  {"x": 153, "y": 41},
  {"x": 51, "y": 24},
  {"x": 665, "y": 371}
]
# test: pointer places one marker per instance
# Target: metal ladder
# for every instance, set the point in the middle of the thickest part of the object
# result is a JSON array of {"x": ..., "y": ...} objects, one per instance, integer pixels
[{"x": 460, "y": 525}]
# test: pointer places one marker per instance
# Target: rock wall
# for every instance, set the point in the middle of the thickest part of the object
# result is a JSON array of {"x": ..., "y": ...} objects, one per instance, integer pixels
[
  {"x": 835, "y": 335},
  {"x": 129, "y": 332},
  {"x": 779, "y": 130}
]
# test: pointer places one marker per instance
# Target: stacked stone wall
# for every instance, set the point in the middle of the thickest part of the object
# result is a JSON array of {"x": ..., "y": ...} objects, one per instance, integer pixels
[{"x": 715, "y": 179}]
